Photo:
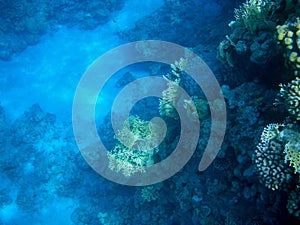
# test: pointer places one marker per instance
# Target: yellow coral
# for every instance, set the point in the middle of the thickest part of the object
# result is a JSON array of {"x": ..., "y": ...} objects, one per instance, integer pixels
[
  {"x": 281, "y": 36},
  {"x": 137, "y": 145},
  {"x": 292, "y": 155},
  {"x": 290, "y": 34},
  {"x": 123, "y": 166},
  {"x": 169, "y": 100},
  {"x": 293, "y": 56},
  {"x": 288, "y": 41},
  {"x": 171, "y": 95}
]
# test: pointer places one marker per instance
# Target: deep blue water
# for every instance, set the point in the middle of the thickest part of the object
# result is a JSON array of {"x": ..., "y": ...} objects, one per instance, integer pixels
[{"x": 47, "y": 46}]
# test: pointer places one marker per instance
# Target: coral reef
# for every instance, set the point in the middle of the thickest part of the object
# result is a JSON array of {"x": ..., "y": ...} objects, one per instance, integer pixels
[
  {"x": 39, "y": 152},
  {"x": 288, "y": 36},
  {"x": 169, "y": 100},
  {"x": 292, "y": 147},
  {"x": 252, "y": 36},
  {"x": 171, "y": 95},
  {"x": 277, "y": 159},
  {"x": 252, "y": 42},
  {"x": 256, "y": 14},
  {"x": 289, "y": 96},
  {"x": 201, "y": 107},
  {"x": 269, "y": 158},
  {"x": 137, "y": 144}
]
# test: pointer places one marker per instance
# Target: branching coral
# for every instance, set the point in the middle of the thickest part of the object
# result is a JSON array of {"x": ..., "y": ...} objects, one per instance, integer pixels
[
  {"x": 292, "y": 148},
  {"x": 138, "y": 134},
  {"x": 171, "y": 94},
  {"x": 292, "y": 154},
  {"x": 136, "y": 147},
  {"x": 269, "y": 158},
  {"x": 169, "y": 100},
  {"x": 289, "y": 96},
  {"x": 256, "y": 14},
  {"x": 196, "y": 107},
  {"x": 276, "y": 157},
  {"x": 252, "y": 37},
  {"x": 124, "y": 160}
]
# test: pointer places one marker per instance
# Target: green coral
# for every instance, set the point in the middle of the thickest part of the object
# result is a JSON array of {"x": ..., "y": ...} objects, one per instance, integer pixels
[
  {"x": 137, "y": 144},
  {"x": 256, "y": 14},
  {"x": 289, "y": 96}
]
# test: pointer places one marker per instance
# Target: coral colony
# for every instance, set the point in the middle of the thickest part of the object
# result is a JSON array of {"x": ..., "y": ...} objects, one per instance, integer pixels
[{"x": 252, "y": 47}]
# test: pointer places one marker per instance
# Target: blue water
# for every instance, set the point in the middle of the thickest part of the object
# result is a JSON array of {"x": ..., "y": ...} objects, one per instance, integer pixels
[
  {"x": 45, "y": 178},
  {"x": 48, "y": 73}
]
